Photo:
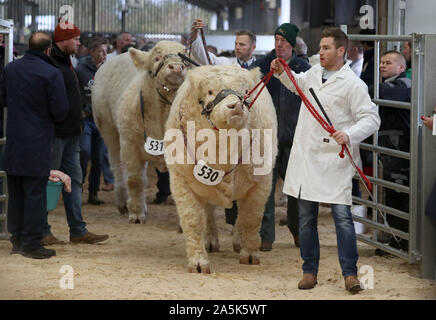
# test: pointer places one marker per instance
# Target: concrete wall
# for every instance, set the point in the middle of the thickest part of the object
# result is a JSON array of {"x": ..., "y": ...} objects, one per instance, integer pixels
[{"x": 420, "y": 16}]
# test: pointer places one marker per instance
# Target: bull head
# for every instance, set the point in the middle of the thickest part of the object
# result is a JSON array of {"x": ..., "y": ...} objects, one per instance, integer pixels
[
  {"x": 220, "y": 94},
  {"x": 163, "y": 64}
]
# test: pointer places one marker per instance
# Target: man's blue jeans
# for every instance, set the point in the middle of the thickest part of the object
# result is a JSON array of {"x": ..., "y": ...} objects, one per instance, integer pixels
[
  {"x": 345, "y": 236},
  {"x": 91, "y": 148},
  {"x": 65, "y": 156}
]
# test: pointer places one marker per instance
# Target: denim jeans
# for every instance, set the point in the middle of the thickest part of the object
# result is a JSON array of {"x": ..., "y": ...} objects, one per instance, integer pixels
[
  {"x": 345, "y": 237},
  {"x": 65, "y": 156},
  {"x": 90, "y": 148},
  {"x": 108, "y": 176}
]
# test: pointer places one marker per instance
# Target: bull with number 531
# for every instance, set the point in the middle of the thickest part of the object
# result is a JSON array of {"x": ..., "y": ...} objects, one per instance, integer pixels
[
  {"x": 131, "y": 99},
  {"x": 217, "y": 151}
]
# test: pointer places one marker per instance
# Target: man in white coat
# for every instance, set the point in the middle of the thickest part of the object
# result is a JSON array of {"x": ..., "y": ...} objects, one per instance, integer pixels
[
  {"x": 315, "y": 171},
  {"x": 245, "y": 44}
]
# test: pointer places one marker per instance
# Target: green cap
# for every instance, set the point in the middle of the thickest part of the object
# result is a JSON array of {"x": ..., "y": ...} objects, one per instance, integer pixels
[{"x": 289, "y": 31}]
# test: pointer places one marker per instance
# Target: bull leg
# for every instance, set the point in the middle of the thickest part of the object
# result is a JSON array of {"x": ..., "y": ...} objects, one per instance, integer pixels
[
  {"x": 193, "y": 219},
  {"x": 134, "y": 163},
  {"x": 212, "y": 243},
  {"x": 236, "y": 239},
  {"x": 112, "y": 141},
  {"x": 250, "y": 213}
]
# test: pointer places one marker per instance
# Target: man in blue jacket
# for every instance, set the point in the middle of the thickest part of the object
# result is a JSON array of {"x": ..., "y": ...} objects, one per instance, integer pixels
[
  {"x": 35, "y": 96},
  {"x": 91, "y": 142},
  {"x": 287, "y": 106}
]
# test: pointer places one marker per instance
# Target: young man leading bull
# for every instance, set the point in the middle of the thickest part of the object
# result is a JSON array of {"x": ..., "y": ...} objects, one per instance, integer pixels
[{"x": 315, "y": 171}]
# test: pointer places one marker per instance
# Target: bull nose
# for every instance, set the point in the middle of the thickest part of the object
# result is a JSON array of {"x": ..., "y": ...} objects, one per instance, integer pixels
[
  {"x": 176, "y": 67},
  {"x": 234, "y": 105}
]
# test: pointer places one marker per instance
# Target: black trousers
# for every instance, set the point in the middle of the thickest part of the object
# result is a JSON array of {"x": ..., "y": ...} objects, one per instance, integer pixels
[
  {"x": 267, "y": 231},
  {"x": 163, "y": 185},
  {"x": 27, "y": 207}
]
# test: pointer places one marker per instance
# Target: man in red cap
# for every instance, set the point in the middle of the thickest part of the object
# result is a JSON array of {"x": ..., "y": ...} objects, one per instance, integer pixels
[{"x": 65, "y": 153}]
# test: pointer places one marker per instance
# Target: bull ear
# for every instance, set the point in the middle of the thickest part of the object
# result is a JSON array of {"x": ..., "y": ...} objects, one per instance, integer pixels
[{"x": 140, "y": 59}]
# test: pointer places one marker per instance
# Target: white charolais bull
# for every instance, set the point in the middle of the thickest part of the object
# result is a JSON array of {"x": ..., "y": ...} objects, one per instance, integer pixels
[
  {"x": 131, "y": 100},
  {"x": 206, "y": 118}
]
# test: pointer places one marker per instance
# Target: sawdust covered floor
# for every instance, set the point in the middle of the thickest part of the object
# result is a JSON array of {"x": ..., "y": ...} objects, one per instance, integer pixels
[{"x": 148, "y": 262}]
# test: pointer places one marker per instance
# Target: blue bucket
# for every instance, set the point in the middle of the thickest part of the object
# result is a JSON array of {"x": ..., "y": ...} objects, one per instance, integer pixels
[{"x": 53, "y": 194}]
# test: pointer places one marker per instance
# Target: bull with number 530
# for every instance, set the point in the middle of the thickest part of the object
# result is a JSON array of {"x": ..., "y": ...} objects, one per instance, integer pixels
[{"x": 218, "y": 151}]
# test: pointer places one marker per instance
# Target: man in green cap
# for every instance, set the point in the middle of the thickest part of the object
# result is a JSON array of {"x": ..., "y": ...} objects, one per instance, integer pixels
[{"x": 287, "y": 106}]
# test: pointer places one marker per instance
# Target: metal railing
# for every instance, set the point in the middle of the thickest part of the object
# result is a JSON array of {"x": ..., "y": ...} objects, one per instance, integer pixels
[{"x": 421, "y": 174}]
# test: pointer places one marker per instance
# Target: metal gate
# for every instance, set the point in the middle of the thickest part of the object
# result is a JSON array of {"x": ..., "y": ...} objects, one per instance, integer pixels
[
  {"x": 422, "y": 157},
  {"x": 7, "y": 30}
]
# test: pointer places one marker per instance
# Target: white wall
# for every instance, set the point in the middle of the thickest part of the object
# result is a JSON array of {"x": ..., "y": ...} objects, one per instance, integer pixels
[{"x": 420, "y": 16}]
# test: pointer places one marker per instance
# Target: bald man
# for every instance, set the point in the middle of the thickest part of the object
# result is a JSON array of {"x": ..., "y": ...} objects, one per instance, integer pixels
[
  {"x": 34, "y": 93},
  {"x": 123, "y": 39}
]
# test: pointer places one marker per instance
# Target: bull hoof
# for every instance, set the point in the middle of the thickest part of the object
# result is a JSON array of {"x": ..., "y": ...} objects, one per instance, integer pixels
[
  {"x": 134, "y": 221},
  {"x": 212, "y": 248},
  {"x": 141, "y": 220},
  {"x": 200, "y": 269},
  {"x": 251, "y": 260},
  {"x": 180, "y": 230},
  {"x": 123, "y": 210},
  {"x": 236, "y": 247}
]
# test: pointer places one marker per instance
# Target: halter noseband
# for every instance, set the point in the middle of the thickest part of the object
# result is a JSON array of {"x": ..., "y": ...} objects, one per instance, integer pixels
[
  {"x": 220, "y": 97},
  {"x": 161, "y": 64}
]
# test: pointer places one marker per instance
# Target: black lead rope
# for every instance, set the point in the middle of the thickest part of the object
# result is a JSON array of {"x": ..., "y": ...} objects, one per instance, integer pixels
[{"x": 181, "y": 55}]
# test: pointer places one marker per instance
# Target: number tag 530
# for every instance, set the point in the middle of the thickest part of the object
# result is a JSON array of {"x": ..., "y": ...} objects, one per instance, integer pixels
[
  {"x": 154, "y": 147},
  {"x": 207, "y": 175}
]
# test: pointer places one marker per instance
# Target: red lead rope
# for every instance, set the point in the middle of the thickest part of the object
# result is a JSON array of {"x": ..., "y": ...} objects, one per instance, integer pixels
[{"x": 326, "y": 126}]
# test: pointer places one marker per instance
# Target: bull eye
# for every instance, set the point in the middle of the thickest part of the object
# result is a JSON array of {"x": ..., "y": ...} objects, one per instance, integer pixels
[
  {"x": 201, "y": 102},
  {"x": 210, "y": 92},
  {"x": 157, "y": 59},
  {"x": 246, "y": 91}
]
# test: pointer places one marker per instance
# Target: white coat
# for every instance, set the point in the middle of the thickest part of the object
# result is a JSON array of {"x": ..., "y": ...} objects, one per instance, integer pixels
[
  {"x": 315, "y": 170},
  {"x": 199, "y": 54}
]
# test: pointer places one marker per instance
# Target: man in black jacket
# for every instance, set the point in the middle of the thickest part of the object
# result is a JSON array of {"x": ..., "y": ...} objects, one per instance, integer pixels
[
  {"x": 287, "y": 106},
  {"x": 34, "y": 94},
  {"x": 65, "y": 154},
  {"x": 394, "y": 133}
]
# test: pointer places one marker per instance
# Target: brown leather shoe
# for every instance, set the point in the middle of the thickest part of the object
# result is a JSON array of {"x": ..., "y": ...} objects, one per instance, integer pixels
[
  {"x": 50, "y": 239},
  {"x": 309, "y": 281},
  {"x": 107, "y": 187},
  {"x": 353, "y": 284},
  {"x": 266, "y": 246},
  {"x": 89, "y": 238}
]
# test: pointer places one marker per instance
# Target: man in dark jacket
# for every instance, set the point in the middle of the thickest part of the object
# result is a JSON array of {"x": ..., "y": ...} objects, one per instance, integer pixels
[
  {"x": 34, "y": 94},
  {"x": 65, "y": 154},
  {"x": 394, "y": 133},
  {"x": 91, "y": 142},
  {"x": 287, "y": 107}
]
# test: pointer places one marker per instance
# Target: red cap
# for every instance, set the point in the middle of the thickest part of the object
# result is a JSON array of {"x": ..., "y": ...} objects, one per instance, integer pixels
[{"x": 66, "y": 31}]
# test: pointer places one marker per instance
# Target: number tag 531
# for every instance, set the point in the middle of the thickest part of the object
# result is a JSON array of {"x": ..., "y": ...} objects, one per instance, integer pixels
[
  {"x": 207, "y": 175},
  {"x": 154, "y": 147}
]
